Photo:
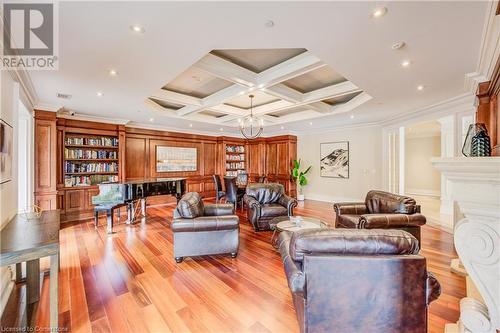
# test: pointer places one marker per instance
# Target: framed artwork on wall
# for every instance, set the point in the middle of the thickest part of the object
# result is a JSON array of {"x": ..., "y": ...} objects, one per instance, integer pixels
[
  {"x": 176, "y": 159},
  {"x": 6, "y": 137},
  {"x": 334, "y": 159}
]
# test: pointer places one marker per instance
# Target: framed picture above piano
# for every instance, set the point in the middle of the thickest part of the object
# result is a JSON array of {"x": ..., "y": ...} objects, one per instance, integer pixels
[{"x": 176, "y": 159}]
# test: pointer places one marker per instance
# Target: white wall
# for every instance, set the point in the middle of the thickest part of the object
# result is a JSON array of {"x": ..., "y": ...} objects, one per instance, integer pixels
[
  {"x": 365, "y": 165},
  {"x": 8, "y": 191},
  {"x": 421, "y": 178}
]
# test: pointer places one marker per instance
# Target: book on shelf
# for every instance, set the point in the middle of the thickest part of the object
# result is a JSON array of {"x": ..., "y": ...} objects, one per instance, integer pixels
[
  {"x": 240, "y": 157},
  {"x": 235, "y": 165},
  {"x": 72, "y": 167},
  {"x": 72, "y": 181},
  {"x": 75, "y": 153},
  {"x": 101, "y": 141},
  {"x": 234, "y": 173},
  {"x": 235, "y": 149}
]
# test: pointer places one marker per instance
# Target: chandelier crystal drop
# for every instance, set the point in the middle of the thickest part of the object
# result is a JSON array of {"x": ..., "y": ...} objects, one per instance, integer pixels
[{"x": 251, "y": 127}]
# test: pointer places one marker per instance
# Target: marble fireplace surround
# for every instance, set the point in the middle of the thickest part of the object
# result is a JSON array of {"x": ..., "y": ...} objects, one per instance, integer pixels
[{"x": 475, "y": 187}]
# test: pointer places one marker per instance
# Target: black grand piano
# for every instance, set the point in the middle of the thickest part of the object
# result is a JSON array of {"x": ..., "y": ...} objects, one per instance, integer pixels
[{"x": 133, "y": 194}]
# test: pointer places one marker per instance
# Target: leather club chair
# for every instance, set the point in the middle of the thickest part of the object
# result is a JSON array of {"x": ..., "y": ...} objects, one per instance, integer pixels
[
  {"x": 381, "y": 210},
  {"x": 204, "y": 229},
  {"x": 350, "y": 281},
  {"x": 265, "y": 202}
]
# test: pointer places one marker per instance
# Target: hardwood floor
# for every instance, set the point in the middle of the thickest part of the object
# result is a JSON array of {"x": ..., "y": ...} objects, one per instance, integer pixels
[{"x": 129, "y": 282}]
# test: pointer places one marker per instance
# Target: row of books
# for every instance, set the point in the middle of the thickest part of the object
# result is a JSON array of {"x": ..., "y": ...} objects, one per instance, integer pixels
[
  {"x": 234, "y": 173},
  {"x": 103, "y": 141},
  {"x": 240, "y": 157},
  {"x": 91, "y": 167},
  {"x": 71, "y": 181},
  {"x": 90, "y": 154},
  {"x": 235, "y": 165},
  {"x": 235, "y": 149}
]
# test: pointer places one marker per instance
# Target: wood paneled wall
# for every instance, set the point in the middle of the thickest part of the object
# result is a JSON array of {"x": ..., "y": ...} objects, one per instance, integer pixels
[
  {"x": 487, "y": 109},
  {"x": 264, "y": 156},
  {"x": 45, "y": 160},
  {"x": 271, "y": 157}
]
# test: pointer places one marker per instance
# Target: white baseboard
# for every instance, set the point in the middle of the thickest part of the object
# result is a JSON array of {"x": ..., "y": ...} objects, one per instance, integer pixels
[
  {"x": 423, "y": 192},
  {"x": 439, "y": 225},
  {"x": 7, "y": 285},
  {"x": 330, "y": 198}
]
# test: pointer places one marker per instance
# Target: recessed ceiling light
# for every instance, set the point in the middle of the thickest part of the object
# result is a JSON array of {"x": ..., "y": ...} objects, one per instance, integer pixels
[
  {"x": 282, "y": 127},
  {"x": 310, "y": 123},
  {"x": 398, "y": 45},
  {"x": 99, "y": 94},
  {"x": 379, "y": 12},
  {"x": 190, "y": 125},
  {"x": 420, "y": 87},
  {"x": 221, "y": 129},
  {"x": 151, "y": 119},
  {"x": 137, "y": 28},
  {"x": 352, "y": 116},
  {"x": 261, "y": 85},
  {"x": 406, "y": 63},
  {"x": 269, "y": 24},
  {"x": 113, "y": 72}
]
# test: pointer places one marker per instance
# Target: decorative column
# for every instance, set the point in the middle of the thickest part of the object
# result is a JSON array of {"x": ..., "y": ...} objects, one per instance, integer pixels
[
  {"x": 476, "y": 189},
  {"x": 447, "y": 150}
]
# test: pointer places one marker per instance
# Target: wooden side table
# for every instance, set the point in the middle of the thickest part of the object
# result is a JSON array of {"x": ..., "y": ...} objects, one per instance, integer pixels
[{"x": 28, "y": 240}]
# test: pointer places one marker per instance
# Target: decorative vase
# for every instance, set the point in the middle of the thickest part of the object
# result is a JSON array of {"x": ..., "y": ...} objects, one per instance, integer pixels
[{"x": 477, "y": 141}]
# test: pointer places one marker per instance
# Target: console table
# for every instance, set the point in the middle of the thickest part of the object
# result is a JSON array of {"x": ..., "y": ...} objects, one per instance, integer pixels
[{"x": 24, "y": 240}]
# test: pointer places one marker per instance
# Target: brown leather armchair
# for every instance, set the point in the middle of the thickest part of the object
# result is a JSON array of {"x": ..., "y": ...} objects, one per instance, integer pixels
[
  {"x": 204, "y": 229},
  {"x": 265, "y": 202},
  {"x": 381, "y": 210},
  {"x": 350, "y": 281}
]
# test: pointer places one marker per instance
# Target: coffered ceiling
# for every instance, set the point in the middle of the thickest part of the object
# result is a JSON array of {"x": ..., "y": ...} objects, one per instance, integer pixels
[{"x": 286, "y": 85}]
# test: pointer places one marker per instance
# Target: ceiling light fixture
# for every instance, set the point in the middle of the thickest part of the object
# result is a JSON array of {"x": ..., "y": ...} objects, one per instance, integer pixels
[
  {"x": 221, "y": 129},
  {"x": 99, "y": 94},
  {"x": 420, "y": 87},
  {"x": 251, "y": 127},
  {"x": 406, "y": 63},
  {"x": 137, "y": 28},
  {"x": 269, "y": 24},
  {"x": 352, "y": 116},
  {"x": 151, "y": 119},
  {"x": 190, "y": 125},
  {"x": 310, "y": 123},
  {"x": 282, "y": 127},
  {"x": 379, "y": 12},
  {"x": 113, "y": 72}
]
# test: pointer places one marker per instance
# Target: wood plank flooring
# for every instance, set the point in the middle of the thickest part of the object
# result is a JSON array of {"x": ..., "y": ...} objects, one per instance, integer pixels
[{"x": 129, "y": 282}]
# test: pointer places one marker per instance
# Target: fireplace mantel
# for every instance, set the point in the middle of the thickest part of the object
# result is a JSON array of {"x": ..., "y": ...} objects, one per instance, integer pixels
[{"x": 475, "y": 187}]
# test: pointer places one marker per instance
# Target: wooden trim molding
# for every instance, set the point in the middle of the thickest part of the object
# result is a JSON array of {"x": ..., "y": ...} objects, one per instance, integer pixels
[{"x": 45, "y": 160}]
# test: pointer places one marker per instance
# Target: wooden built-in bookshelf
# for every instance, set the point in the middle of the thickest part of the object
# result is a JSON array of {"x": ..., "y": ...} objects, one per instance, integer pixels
[
  {"x": 90, "y": 159},
  {"x": 235, "y": 159}
]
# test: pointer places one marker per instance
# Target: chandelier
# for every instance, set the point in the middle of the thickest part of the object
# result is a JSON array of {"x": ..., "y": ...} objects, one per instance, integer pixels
[{"x": 251, "y": 126}]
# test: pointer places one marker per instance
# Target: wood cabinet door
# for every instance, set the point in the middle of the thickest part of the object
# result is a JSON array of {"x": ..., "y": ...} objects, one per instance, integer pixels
[
  {"x": 75, "y": 200},
  {"x": 283, "y": 168},
  {"x": 271, "y": 160}
]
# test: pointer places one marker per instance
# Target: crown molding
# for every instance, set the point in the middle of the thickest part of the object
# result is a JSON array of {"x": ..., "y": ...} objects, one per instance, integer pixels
[
  {"x": 489, "y": 51},
  {"x": 47, "y": 107},
  {"x": 114, "y": 121},
  {"x": 457, "y": 104}
]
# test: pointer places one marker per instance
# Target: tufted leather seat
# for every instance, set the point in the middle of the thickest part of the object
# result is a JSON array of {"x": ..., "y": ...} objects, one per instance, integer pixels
[
  {"x": 265, "y": 202},
  {"x": 381, "y": 210},
  {"x": 357, "y": 280},
  {"x": 203, "y": 229}
]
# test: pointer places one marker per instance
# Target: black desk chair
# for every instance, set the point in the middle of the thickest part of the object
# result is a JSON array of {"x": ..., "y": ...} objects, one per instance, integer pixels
[
  {"x": 219, "y": 193},
  {"x": 232, "y": 194},
  {"x": 262, "y": 179}
]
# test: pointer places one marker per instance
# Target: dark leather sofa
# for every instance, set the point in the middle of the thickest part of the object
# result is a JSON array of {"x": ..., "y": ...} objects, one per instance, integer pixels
[
  {"x": 265, "y": 202},
  {"x": 351, "y": 281},
  {"x": 203, "y": 229},
  {"x": 381, "y": 210}
]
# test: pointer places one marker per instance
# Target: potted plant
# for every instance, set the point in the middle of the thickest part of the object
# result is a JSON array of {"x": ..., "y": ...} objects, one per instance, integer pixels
[{"x": 299, "y": 177}]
